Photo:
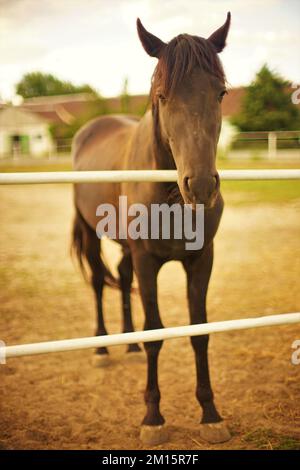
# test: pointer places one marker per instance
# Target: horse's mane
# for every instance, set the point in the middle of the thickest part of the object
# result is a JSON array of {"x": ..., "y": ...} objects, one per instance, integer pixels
[{"x": 178, "y": 59}]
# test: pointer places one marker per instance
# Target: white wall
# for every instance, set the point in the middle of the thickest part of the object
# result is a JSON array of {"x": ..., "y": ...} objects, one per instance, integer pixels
[
  {"x": 40, "y": 140},
  {"x": 227, "y": 135},
  {"x": 4, "y": 147}
]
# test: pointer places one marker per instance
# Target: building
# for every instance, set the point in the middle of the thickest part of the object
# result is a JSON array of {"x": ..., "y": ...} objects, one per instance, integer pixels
[
  {"x": 23, "y": 133},
  {"x": 25, "y": 129},
  {"x": 65, "y": 109},
  {"x": 60, "y": 109}
]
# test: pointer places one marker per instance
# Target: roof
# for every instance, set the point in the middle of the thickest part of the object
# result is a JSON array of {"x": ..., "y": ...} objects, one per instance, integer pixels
[
  {"x": 60, "y": 108},
  {"x": 59, "y": 99},
  {"x": 13, "y": 116},
  {"x": 232, "y": 102},
  {"x": 136, "y": 104},
  {"x": 64, "y": 109}
]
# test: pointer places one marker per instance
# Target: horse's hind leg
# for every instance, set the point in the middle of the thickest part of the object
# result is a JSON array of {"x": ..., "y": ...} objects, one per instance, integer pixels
[
  {"x": 125, "y": 269},
  {"x": 92, "y": 253}
]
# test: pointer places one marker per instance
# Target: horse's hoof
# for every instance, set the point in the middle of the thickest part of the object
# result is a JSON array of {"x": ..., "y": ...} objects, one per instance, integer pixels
[
  {"x": 101, "y": 360},
  {"x": 215, "y": 433},
  {"x": 153, "y": 435}
]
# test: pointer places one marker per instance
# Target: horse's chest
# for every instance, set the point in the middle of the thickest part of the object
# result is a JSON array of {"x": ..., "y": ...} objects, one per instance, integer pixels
[
  {"x": 173, "y": 232},
  {"x": 167, "y": 249}
]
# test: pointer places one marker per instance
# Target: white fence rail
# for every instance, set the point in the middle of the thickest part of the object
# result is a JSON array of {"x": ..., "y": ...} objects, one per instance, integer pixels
[
  {"x": 148, "y": 335},
  {"x": 118, "y": 176}
]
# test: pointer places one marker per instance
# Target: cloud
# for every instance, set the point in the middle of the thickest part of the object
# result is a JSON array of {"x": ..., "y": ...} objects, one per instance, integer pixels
[{"x": 95, "y": 41}]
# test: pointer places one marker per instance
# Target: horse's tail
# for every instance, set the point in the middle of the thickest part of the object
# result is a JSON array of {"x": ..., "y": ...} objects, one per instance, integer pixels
[{"x": 80, "y": 237}]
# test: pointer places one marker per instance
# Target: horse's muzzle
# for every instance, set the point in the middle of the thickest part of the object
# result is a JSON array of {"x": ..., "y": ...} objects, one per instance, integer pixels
[{"x": 201, "y": 189}]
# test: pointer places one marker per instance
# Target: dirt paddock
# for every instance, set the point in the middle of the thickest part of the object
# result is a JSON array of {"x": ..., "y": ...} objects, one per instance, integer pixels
[{"x": 62, "y": 401}]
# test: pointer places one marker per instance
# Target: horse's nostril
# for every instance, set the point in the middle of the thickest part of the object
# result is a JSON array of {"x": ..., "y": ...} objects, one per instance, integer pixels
[
  {"x": 217, "y": 178},
  {"x": 186, "y": 184},
  {"x": 200, "y": 187}
]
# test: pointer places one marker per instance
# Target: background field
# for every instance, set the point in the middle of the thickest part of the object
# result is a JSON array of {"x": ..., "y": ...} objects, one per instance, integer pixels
[{"x": 63, "y": 401}]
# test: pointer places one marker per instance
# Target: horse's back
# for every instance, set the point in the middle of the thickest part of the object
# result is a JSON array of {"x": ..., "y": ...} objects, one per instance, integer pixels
[{"x": 102, "y": 144}]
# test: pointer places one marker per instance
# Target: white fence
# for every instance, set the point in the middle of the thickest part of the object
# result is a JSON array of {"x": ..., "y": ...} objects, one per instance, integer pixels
[
  {"x": 137, "y": 175},
  {"x": 150, "y": 335}
]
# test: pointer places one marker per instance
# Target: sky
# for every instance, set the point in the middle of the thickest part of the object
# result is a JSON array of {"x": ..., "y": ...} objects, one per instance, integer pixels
[{"x": 95, "y": 41}]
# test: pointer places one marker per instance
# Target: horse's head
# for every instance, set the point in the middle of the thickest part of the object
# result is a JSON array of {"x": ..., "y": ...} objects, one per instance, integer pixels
[{"x": 187, "y": 89}]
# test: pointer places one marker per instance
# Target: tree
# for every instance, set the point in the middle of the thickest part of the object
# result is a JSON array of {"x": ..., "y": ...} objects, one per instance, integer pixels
[
  {"x": 267, "y": 105},
  {"x": 40, "y": 84}
]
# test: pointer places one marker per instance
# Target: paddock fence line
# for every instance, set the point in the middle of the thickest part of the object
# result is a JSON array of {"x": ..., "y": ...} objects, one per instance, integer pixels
[
  {"x": 148, "y": 335},
  {"x": 118, "y": 176}
]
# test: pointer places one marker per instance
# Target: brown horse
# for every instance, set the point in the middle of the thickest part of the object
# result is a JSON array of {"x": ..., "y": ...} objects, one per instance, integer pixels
[{"x": 180, "y": 132}]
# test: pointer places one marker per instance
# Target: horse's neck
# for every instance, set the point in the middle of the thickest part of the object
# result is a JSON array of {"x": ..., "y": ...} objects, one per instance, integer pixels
[{"x": 147, "y": 151}]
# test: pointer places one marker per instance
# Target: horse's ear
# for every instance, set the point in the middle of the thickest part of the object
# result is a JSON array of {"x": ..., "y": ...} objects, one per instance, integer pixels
[
  {"x": 218, "y": 38},
  {"x": 152, "y": 45}
]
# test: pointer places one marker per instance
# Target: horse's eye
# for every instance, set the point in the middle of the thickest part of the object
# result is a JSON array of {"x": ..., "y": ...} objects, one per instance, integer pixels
[
  {"x": 222, "y": 94},
  {"x": 161, "y": 97}
]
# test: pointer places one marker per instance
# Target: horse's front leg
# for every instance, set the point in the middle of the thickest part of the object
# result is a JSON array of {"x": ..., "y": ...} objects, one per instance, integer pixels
[
  {"x": 198, "y": 270},
  {"x": 146, "y": 267}
]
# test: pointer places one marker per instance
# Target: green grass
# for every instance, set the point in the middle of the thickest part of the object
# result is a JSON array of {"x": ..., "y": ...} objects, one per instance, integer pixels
[
  {"x": 260, "y": 192},
  {"x": 221, "y": 165},
  {"x": 267, "y": 439},
  {"x": 35, "y": 168},
  {"x": 234, "y": 192},
  {"x": 256, "y": 164}
]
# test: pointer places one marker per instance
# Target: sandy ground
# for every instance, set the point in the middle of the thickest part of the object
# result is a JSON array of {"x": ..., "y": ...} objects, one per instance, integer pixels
[{"x": 63, "y": 401}]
